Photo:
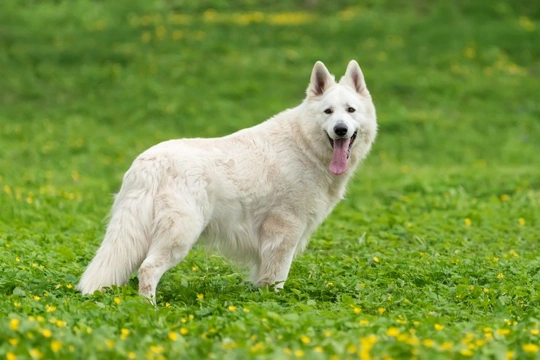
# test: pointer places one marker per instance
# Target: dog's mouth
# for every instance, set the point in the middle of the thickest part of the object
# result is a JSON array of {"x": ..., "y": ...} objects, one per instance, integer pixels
[
  {"x": 341, "y": 153},
  {"x": 353, "y": 137}
]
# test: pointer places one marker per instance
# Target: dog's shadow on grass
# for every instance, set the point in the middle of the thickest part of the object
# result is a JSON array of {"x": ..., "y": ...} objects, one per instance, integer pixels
[{"x": 234, "y": 290}]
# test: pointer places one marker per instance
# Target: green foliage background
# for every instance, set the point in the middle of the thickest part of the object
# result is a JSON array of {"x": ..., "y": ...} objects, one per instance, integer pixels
[{"x": 434, "y": 253}]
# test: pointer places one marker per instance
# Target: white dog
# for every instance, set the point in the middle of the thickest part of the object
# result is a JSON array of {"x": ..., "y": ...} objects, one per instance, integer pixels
[{"x": 256, "y": 195}]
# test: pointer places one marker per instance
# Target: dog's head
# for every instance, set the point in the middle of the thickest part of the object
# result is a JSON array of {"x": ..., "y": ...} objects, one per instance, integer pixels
[{"x": 344, "y": 113}]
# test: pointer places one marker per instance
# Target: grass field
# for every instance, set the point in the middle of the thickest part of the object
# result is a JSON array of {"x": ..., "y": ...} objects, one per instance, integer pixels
[{"x": 433, "y": 255}]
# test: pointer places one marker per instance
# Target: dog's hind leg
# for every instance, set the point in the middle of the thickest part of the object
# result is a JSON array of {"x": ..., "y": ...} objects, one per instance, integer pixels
[
  {"x": 176, "y": 229},
  {"x": 279, "y": 238}
]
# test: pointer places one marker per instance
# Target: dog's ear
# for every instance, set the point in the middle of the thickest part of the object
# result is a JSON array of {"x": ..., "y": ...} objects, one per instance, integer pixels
[
  {"x": 321, "y": 80},
  {"x": 354, "y": 78}
]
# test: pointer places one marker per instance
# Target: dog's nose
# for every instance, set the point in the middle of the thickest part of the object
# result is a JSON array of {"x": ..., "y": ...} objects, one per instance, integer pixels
[{"x": 340, "y": 129}]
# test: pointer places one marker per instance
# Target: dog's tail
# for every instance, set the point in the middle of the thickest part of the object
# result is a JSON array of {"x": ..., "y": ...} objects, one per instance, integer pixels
[{"x": 127, "y": 238}]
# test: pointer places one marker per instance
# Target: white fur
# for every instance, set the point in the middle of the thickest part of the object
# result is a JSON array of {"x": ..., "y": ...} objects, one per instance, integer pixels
[{"x": 256, "y": 195}]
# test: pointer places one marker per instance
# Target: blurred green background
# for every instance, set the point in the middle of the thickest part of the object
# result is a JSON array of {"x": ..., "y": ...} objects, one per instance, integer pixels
[{"x": 87, "y": 85}]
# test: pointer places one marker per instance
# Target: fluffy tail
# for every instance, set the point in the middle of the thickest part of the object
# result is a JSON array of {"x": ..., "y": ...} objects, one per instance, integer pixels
[{"x": 127, "y": 238}]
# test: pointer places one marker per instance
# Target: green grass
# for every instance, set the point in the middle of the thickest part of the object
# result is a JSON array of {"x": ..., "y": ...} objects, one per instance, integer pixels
[{"x": 432, "y": 255}]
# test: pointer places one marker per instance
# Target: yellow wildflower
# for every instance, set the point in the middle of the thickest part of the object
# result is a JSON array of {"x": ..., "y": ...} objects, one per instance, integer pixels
[
  {"x": 290, "y": 18},
  {"x": 177, "y": 35},
  {"x": 357, "y": 310},
  {"x": 438, "y": 327},
  {"x": 124, "y": 334},
  {"x": 535, "y": 331},
  {"x": 232, "y": 308},
  {"x": 447, "y": 345},
  {"x": 257, "y": 347},
  {"x": 467, "y": 338},
  {"x": 36, "y": 353},
  {"x": 521, "y": 221},
  {"x": 228, "y": 344},
  {"x": 173, "y": 336},
  {"x": 480, "y": 342},
  {"x": 381, "y": 310},
  {"x": 530, "y": 348},
  {"x": 56, "y": 346},
  {"x": 393, "y": 331},
  {"x": 299, "y": 353},
  {"x": 469, "y": 53},
  {"x": 526, "y": 23},
  {"x": 500, "y": 275},
  {"x": 50, "y": 308},
  {"x": 376, "y": 259},
  {"x": 10, "y": 356},
  {"x": 200, "y": 296},
  {"x": 156, "y": 349},
  {"x": 466, "y": 352},
  {"x": 503, "y": 331},
  {"x": 117, "y": 300},
  {"x": 369, "y": 340},
  {"x": 131, "y": 355},
  {"x": 428, "y": 343},
  {"x": 13, "y": 341},
  {"x": 47, "y": 333},
  {"x": 61, "y": 323},
  {"x": 161, "y": 31},
  {"x": 468, "y": 222},
  {"x": 14, "y": 324},
  {"x": 305, "y": 339},
  {"x": 183, "y": 331},
  {"x": 146, "y": 37}
]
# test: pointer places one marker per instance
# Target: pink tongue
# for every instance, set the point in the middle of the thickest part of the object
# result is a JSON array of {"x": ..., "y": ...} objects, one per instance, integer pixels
[{"x": 339, "y": 165}]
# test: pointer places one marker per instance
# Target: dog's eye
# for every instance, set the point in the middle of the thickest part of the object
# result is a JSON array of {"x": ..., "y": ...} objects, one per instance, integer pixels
[
  {"x": 351, "y": 109},
  {"x": 328, "y": 111}
]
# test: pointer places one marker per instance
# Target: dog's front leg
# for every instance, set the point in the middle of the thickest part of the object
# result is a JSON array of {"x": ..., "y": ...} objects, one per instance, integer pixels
[{"x": 279, "y": 237}]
